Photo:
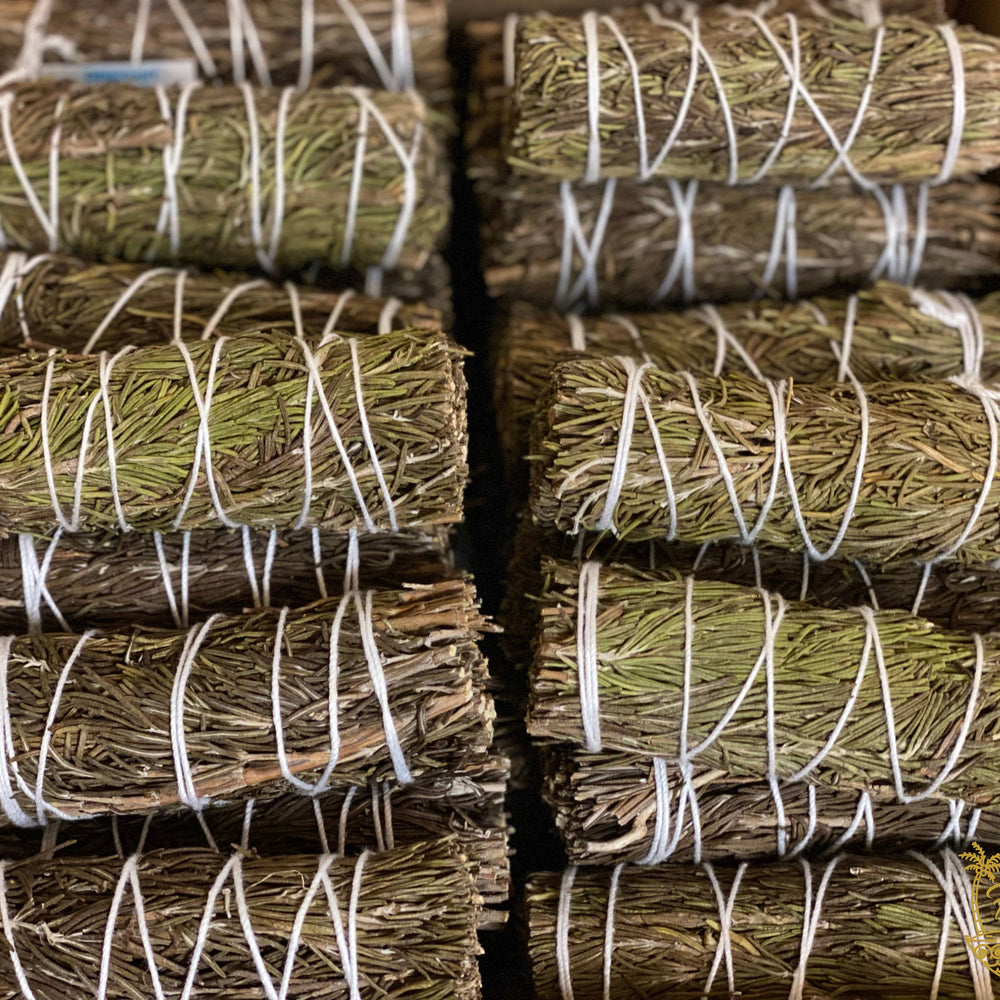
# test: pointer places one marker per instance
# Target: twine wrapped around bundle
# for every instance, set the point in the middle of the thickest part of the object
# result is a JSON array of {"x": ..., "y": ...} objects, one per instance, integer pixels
[
  {"x": 51, "y": 300},
  {"x": 710, "y": 676},
  {"x": 884, "y": 472},
  {"x": 612, "y": 808},
  {"x": 260, "y": 430},
  {"x": 889, "y": 331},
  {"x": 667, "y": 243},
  {"x": 963, "y": 599},
  {"x": 465, "y": 805},
  {"x": 70, "y": 581},
  {"x": 378, "y": 683},
  {"x": 376, "y": 43},
  {"x": 742, "y": 99},
  {"x": 190, "y": 923},
  {"x": 851, "y": 927},
  {"x": 223, "y": 176}
]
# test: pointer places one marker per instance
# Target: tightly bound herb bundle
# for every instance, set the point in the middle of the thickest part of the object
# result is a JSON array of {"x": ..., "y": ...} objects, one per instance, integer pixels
[
  {"x": 376, "y": 684},
  {"x": 889, "y": 471},
  {"x": 851, "y": 927},
  {"x": 710, "y": 675},
  {"x": 400, "y": 925},
  {"x": 367, "y": 434},
  {"x": 613, "y": 808},
  {"x": 889, "y": 331},
  {"x": 377, "y": 43},
  {"x": 87, "y": 580},
  {"x": 224, "y": 176},
  {"x": 465, "y": 805},
  {"x": 746, "y": 99},
  {"x": 963, "y": 599},
  {"x": 52, "y": 300},
  {"x": 667, "y": 243}
]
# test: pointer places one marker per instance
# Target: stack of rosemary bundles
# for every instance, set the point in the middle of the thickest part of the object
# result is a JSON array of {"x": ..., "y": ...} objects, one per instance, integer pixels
[
  {"x": 242, "y": 688},
  {"x": 755, "y": 601}
]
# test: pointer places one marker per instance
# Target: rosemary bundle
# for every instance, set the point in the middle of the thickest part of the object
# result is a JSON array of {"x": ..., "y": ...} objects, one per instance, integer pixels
[
  {"x": 666, "y": 243},
  {"x": 71, "y": 582},
  {"x": 889, "y": 331},
  {"x": 224, "y": 176},
  {"x": 710, "y": 675},
  {"x": 191, "y": 922},
  {"x": 377, "y": 43},
  {"x": 379, "y": 683},
  {"x": 891, "y": 471},
  {"x": 612, "y": 808},
  {"x": 465, "y": 805},
  {"x": 955, "y": 598},
  {"x": 259, "y": 430},
  {"x": 762, "y": 99},
  {"x": 851, "y": 927},
  {"x": 52, "y": 300}
]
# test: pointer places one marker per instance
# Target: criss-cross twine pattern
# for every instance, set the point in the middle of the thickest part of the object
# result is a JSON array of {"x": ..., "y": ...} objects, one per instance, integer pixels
[
  {"x": 582, "y": 247},
  {"x": 946, "y": 870},
  {"x": 774, "y": 606},
  {"x": 229, "y": 884},
  {"x": 395, "y": 72}
]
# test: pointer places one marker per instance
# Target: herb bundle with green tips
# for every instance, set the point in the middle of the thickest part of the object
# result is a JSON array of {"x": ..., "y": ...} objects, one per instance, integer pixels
[
  {"x": 741, "y": 99},
  {"x": 891, "y": 471},
  {"x": 232, "y": 925},
  {"x": 464, "y": 805},
  {"x": 629, "y": 244},
  {"x": 951, "y": 597},
  {"x": 52, "y": 300},
  {"x": 710, "y": 676},
  {"x": 260, "y": 430},
  {"x": 377, "y": 43},
  {"x": 224, "y": 176},
  {"x": 375, "y": 685},
  {"x": 853, "y": 926},
  {"x": 888, "y": 331},
  {"x": 614, "y": 808},
  {"x": 72, "y": 581}
]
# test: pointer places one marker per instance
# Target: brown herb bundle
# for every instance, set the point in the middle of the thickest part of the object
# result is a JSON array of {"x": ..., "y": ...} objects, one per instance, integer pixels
[
  {"x": 375, "y": 43},
  {"x": 100, "y": 580},
  {"x": 400, "y": 925},
  {"x": 607, "y": 811},
  {"x": 143, "y": 718},
  {"x": 664, "y": 243},
  {"x": 260, "y": 430},
  {"x": 224, "y": 176},
  {"x": 955, "y": 598},
  {"x": 853, "y": 926},
  {"x": 711, "y": 675},
  {"x": 465, "y": 805},
  {"x": 890, "y": 471},
  {"x": 889, "y": 331},
  {"x": 593, "y": 100},
  {"x": 52, "y": 300}
]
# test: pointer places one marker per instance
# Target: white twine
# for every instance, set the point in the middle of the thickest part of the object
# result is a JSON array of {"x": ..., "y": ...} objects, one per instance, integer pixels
[
  {"x": 957, "y": 890},
  {"x": 8, "y": 932},
  {"x": 784, "y": 240},
  {"x": 261, "y": 594},
  {"x": 724, "y": 945},
  {"x": 724, "y": 341},
  {"x": 33, "y": 586},
  {"x": 901, "y": 260},
  {"x": 267, "y": 251},
  {"x": 634, "y": 395},
  {"x": 345, "y": 810},
  {"x": 562, "y": 933},
  {"x": 180, "y": 613},
  {"x": 173, "y": 152},
  {"x": 682, "y": 263},
  {"x": 811, "y": 911},
  {"x": 609, "y": 929},
  {"x": 186, "y": 791},
  {"x": 587, "y": 655},
  {"x": 586, "y": 284}
]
